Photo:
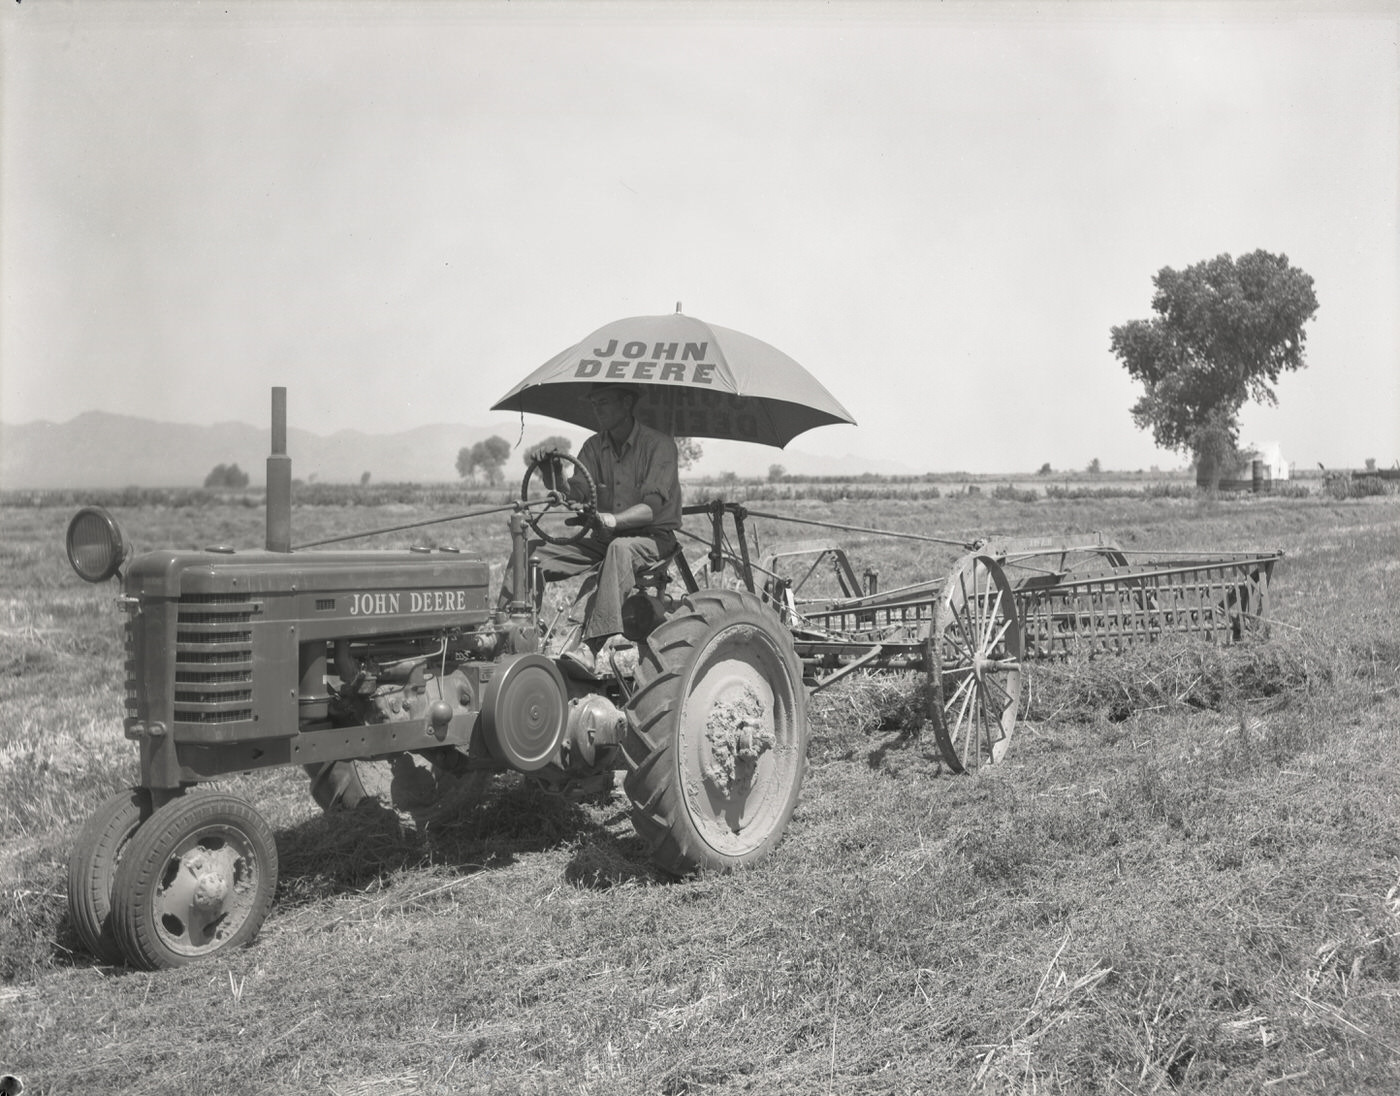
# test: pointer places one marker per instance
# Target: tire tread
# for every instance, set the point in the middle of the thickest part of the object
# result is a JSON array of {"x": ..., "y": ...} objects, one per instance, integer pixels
[{"x": 659, "y": 814}]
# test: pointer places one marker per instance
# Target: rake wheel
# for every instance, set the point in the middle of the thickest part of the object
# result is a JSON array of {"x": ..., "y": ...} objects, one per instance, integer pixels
[{"x": 975, "y": 652}]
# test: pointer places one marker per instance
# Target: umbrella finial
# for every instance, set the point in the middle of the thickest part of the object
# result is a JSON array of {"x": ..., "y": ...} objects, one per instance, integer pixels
[{"x": 678, "y": 308}]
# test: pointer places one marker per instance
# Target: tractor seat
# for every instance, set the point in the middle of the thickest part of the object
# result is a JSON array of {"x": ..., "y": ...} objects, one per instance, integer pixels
[{"x": 654, "y": 576}]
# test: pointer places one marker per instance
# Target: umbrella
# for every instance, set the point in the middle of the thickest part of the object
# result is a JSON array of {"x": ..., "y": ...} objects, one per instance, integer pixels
[{"x": 698, "y": 380}]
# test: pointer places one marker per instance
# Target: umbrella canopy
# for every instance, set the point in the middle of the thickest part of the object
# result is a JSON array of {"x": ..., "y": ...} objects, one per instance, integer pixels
[{"x": 698, "y": 380}]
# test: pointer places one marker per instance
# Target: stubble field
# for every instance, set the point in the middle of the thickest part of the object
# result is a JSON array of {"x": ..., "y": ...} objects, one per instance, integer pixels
[{"x": 1186, "y": 877}]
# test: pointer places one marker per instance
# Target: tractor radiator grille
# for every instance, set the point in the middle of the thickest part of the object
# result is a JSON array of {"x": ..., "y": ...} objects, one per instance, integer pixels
[
  {"x": 132, "y": 667},
  {"x": 214, "y": 658}
]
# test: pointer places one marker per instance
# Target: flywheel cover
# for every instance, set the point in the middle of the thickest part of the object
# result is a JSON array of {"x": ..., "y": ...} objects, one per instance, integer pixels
[{"x": 525, "y": 711}]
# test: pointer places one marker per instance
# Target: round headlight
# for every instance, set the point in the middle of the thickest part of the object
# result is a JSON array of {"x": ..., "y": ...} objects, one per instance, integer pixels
[{"x": 96, "y": 547}]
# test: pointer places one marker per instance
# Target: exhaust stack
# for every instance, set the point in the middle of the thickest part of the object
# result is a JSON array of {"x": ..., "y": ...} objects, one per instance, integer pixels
[{"x": 279, "y": 479}]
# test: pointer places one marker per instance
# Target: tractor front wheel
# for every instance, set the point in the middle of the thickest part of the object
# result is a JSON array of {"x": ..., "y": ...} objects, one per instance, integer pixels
[
  {"x": 197, "y": 877},
  {"x": 716, "y": 746},
  {"x": 93, "y": 866}
]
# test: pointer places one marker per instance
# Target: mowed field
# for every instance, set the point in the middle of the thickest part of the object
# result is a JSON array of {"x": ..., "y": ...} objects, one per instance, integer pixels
[{"x": 1185, "y": 878}]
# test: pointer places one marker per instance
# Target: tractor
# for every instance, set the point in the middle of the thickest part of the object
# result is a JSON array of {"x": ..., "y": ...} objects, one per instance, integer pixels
[{"x": 380, "y": 669}]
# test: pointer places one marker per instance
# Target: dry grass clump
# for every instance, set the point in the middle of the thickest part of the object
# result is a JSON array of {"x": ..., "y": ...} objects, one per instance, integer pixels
[
  {"x": 1179, "y": 671},
  {"x": 853, "y": 715}
]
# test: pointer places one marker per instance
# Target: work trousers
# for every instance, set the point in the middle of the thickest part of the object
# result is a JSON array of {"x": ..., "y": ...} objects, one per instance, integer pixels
[{"x": 612, "y": 567}]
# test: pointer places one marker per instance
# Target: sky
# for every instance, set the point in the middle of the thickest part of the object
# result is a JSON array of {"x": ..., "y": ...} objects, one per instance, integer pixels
[{"x": 398, "y": 210}]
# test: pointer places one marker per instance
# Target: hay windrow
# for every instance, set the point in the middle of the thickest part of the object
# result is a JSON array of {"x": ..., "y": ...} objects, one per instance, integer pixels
[{"x": 1179, "y": 672}]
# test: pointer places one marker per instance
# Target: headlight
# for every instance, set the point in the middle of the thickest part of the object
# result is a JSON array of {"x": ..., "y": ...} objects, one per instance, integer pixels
[{"x": 96, "y": 547}]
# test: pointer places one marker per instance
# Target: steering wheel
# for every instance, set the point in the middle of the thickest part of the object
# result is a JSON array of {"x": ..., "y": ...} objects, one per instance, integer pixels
[{"x": 548, "y": 467}]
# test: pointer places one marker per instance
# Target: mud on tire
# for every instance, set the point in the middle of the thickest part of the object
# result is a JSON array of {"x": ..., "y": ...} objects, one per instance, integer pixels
[{"x": 716, "y": 746}]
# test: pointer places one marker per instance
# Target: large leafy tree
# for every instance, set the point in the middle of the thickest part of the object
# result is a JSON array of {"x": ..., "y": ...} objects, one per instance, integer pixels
[
  {"x": 1224, "y": 330},
  {"x": 227, "y": 475},
  {"x": 485, "y": 456}
]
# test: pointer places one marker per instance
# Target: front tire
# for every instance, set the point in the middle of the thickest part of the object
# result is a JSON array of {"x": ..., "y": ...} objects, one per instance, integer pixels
[
  {"x": 93, "y": 866},
  {"x": 717, "y": 734},
  {"x": 197, "y": 878}
]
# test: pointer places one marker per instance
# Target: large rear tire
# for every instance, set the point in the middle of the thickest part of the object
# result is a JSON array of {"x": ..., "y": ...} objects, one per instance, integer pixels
[{"x": 716, "y": 745}]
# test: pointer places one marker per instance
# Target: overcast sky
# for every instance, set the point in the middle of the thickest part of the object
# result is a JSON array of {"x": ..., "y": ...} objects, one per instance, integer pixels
[{"x": 399, "y": 210}]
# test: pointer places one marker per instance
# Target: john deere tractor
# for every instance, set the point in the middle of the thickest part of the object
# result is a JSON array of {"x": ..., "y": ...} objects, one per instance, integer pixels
[{"x": 389, "y": 673}]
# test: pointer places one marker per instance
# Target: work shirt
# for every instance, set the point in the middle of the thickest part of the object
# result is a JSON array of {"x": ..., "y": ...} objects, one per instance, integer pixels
[{"x": 645, "y": 470}]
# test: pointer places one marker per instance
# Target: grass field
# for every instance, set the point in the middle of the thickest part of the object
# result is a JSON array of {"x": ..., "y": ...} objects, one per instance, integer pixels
[{"x": 1186, "y": 877}]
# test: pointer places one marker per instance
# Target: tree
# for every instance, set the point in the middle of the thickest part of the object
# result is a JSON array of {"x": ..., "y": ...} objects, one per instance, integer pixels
[
  {"x": 558, "y": 443},
  {"x": 227, "y": 475},
  {"x": 364, "y": 479},
  {"x": 688, "y": 451},
  {"x": 1094, "y": 467},
  {"x": 1224, "y": 331},
  {"x": 776, "y": 472},
  {"x": 485, "y": 456},
  {"x": 466, "y": 463},
  {"x": 1044, "y": 469}
]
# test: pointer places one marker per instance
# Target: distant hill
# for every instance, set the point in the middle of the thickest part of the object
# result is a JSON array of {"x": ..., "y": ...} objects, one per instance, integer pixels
[
  {"x": 101, "y": 450},
  {"x": 97, "y": 449}
]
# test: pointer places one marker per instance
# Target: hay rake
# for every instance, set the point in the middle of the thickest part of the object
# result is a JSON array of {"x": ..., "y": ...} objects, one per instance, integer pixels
[{"x": 1005, "y": 601}]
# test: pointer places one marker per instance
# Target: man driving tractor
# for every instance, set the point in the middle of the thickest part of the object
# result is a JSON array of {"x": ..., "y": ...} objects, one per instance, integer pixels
[{"x": 637, "y": 475}]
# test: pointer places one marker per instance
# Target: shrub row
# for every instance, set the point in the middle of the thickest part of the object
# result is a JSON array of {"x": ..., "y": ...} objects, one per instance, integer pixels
[
  {"x": 1359, "y": 487},
  {"x": 813, "y": 488}
]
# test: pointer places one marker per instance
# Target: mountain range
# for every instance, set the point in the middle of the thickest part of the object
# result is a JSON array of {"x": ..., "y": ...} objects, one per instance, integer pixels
[{"x": 97, "y": 449}]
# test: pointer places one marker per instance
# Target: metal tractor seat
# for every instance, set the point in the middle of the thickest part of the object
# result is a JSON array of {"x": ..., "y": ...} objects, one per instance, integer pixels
[{"x": 654, "y": 577}]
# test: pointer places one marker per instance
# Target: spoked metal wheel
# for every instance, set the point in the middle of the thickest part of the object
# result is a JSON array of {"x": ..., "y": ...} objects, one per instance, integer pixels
[
  {"x": 93, "y": 867},
  {"x": 717, "y": 734},
  {"x": 197, "y": 878},
  {"x": 976, "y": 654}
]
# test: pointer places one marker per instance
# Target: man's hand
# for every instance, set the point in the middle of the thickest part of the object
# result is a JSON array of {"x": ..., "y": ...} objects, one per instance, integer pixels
[{"x": 604, "y": 525}]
